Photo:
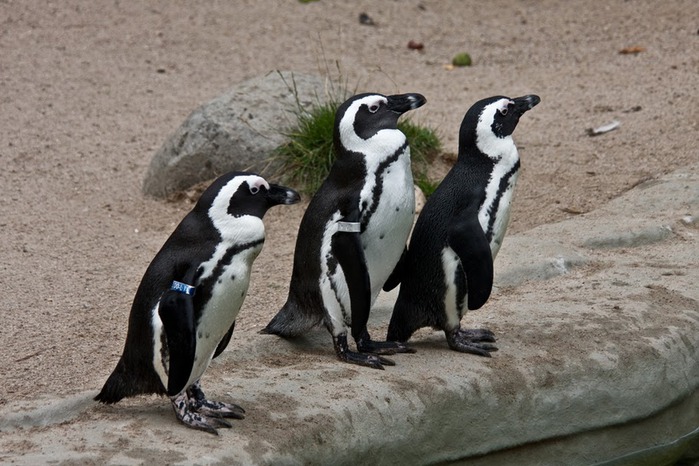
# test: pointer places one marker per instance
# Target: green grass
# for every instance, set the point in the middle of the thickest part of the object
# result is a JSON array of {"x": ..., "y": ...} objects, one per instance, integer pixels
[
  {"x": 425, "y": 146},
  {"x": 307, "y": 157}
]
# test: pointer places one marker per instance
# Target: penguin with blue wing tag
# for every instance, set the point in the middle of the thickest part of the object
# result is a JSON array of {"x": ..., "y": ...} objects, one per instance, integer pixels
[
  {"x": 354, "y": 231},
  {"x": 449, "y": 264},
  {"x": 185, "y": 308}
]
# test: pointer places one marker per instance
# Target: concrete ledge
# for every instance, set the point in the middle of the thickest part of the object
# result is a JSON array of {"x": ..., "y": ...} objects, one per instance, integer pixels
[{"x": 598, "y": 364}]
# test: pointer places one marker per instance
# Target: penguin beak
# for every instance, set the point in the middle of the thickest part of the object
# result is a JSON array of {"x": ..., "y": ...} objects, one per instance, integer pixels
[
  {"x": 282, "y": 195},
  {"x": 522, "y": 104},
  {"x": 401, "y": 103}
]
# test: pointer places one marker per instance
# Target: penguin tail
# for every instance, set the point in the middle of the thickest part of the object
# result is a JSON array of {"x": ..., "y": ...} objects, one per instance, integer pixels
[
  {"x": 291, "y": 321},
  {"x": 398, "y": 331},
  {"x": 115, "y": 388},
  {"x": 123, "y": 384},
  {"x": 402, "y": 324}
]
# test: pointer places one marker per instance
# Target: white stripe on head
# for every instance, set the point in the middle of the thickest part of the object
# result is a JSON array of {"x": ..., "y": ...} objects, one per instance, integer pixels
[
  {"x": 238, "y": 229},
  {"x": 383, "y": 144},
  {"x": 488, "y": 142}
]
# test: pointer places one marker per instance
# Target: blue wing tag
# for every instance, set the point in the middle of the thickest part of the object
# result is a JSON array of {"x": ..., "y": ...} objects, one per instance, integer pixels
[
  {"x": 349, "y": 227},
  {"x": 183, "y": 288}
]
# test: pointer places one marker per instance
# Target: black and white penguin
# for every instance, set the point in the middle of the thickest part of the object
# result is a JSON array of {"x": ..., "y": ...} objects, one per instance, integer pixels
[
  {"x": 354, "y": 230},
  {"x": 449, "y": 264},
  {"x": 185, "y": 308}
]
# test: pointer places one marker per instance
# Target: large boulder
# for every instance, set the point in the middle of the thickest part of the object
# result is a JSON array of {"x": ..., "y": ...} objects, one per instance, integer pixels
[{"x": 238, "y": 130}]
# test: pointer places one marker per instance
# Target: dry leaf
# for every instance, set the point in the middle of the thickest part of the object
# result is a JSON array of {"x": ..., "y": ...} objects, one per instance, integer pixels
[{"x": 632, "y": 50}]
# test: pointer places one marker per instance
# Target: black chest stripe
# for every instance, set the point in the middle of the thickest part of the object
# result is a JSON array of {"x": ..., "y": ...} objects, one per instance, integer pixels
[
  {"x": 205, "y": 288},
  {"x": 378, "y": 185},
  {"x": 495, "y": 206}
]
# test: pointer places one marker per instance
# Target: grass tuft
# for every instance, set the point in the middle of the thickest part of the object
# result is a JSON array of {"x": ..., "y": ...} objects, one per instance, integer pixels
[{"x": 306, "y": 159}]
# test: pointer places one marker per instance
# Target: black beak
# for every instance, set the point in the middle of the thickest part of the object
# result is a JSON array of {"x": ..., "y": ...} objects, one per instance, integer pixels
[
  {"x": 401, "y": 103},
  {"x": 522, "y": 104},
  {"x": 282, "y": 195}
]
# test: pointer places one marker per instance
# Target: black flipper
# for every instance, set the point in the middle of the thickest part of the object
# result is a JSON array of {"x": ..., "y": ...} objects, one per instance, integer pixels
[
  {"x": 224, "y": 342},
  {"x": 347, "y": 249},
  {"x": 467, "y": 240},
  {"x": 397, "y": 275},
  {"x": 177, "y": 314}
]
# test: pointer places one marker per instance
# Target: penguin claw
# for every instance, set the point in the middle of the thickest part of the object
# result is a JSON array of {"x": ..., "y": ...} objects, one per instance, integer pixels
[
  {"x": 219, "y": 409},
  {"x": 470, "y": 341}
]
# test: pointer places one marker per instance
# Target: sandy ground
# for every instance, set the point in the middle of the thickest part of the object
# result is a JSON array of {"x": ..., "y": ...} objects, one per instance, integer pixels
[{"x": 90, "y": 90}]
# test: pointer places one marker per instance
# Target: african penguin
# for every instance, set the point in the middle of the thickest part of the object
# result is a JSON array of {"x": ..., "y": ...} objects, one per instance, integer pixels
[
  {"x": 185, "y": 308},
  {"x": 449, "y": 264},
  {"x": 355, "y": 228}
]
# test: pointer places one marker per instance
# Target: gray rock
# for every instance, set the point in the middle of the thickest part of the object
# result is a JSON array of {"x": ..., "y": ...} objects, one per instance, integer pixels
[{"x": 238, "y": 130}]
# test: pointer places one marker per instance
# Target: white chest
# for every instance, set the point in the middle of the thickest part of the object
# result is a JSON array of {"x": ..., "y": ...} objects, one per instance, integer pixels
[
  {"x": 218, "y": 314},
  {"x": 222, "y": 309},
  {"x": 502, "y": 217},
  {"x": 494, "y": 214},
  {"x": 390, "y": 216}
]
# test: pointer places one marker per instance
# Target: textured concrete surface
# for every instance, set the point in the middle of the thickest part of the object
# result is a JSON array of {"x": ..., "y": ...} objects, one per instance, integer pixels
[{"x": 597, "y": 320}]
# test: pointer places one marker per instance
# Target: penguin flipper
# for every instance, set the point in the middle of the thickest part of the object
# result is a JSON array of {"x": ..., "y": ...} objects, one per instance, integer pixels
[
  {"x": 396, "y": 276},
  {"x": 224, "y": 342},
  {"x": 467, "y": 240},
  {"x": 176, "y": 312},
  {"x": 347, "y": 249}
]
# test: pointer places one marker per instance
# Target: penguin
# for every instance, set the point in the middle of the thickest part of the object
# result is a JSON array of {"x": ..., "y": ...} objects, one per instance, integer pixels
[
  {"x": 185, "y": 308},
  {"x": 354, "y": 230},
  {"x": 448, "y": 267}
]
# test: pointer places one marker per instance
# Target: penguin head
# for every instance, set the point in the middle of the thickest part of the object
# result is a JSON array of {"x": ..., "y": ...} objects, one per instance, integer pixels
[
  {"x": 367, "y": 118},
  {"x": 241, "y": 194},
  {"x": 491, "y": 121}
]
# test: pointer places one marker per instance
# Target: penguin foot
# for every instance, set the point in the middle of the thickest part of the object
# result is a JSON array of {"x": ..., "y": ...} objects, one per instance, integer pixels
[
  {"x": 219, "y": 409},
  {"x": 471, "y": 341},
  {"x": 195, "y": 411},
  {"x": 366, "y": 345},
  {"x": 369, "y": 360},
  {"x": 362, "y": 359},
  {"x": 191, "y": 418},
  {"x": 198, "y": 403},
  {"x": 476, "y": 334}
]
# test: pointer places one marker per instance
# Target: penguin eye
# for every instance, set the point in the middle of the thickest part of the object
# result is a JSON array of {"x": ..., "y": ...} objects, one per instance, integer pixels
[
  {"x": 503, "y": 111},
  {"x": 374, "y": 108},
  {"x": 254, "y": 190}
]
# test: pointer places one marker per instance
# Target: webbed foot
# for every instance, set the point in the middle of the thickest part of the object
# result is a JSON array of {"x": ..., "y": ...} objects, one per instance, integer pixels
[
  {"x": 195, "y": 411},
  {"x": 361, "y": 359},
  {"x": 200, "y": 404},
  {"x": 471, "y": 341},
  {"x": 366, "y": 345}
]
